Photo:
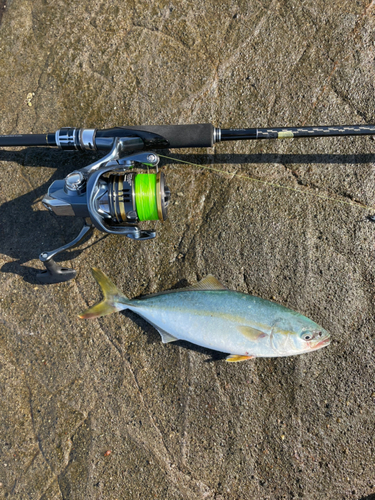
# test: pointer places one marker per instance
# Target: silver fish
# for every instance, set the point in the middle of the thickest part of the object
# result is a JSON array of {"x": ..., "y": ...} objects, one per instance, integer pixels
[{"x": 210, "y": 315}]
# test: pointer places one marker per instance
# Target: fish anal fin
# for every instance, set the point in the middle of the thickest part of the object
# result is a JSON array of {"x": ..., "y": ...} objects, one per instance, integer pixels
[
  {"x": 207, "y": 283},
  {"x": 251, "y": 333},
  {"x": 165, "y": 336},
  {"x": 236, "y": 358}
]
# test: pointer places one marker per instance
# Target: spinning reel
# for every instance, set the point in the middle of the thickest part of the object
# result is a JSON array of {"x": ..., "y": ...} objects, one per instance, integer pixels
[{"x": 111, "y": 197}]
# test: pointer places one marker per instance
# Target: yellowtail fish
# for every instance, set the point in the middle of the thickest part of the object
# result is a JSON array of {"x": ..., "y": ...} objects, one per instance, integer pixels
[{"x": 211, "y": 316}]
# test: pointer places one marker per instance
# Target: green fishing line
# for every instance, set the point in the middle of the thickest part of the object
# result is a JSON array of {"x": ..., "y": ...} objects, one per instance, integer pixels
[
  {"x": 145, "y": 196},
  {"x": 275, "y": 185}
]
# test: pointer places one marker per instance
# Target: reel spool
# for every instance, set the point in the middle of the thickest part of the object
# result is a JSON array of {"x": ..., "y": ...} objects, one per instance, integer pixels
[{"x": 129, "y": 198}]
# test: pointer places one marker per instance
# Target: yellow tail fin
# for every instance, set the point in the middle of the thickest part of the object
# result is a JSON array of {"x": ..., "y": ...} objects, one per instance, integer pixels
[{"x": 111, "y": 298}]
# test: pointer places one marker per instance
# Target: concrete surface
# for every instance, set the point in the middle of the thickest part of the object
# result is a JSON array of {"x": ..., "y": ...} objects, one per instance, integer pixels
[{"x": 178, "y": 425}]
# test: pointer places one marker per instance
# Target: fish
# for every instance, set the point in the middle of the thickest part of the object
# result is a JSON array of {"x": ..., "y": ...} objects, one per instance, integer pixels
[{"x": 211, "y": 316}]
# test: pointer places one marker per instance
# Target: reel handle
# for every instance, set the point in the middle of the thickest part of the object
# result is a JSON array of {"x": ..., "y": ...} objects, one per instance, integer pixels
[{"x": 53, "y": 273}]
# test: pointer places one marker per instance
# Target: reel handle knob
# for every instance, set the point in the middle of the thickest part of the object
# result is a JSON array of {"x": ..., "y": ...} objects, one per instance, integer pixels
[{"x": 55, "y": 273}]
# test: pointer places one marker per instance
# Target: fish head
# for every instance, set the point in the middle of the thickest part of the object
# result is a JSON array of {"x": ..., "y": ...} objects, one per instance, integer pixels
[{"x": 297, "y": 336}]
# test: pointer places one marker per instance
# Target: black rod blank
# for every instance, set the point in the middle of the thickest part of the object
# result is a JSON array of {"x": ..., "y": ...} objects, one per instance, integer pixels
[
  {"x": 24, "y": 140},
  {"x": 290, "y": 132}
]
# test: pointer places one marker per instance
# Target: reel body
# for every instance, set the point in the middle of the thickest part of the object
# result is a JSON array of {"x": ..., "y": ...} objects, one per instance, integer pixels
[
  {"x": 113, "y": 199},
  {"x": 109, "y": 196}
]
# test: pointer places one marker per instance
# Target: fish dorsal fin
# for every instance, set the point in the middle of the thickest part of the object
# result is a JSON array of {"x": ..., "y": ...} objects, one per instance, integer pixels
[{"x": 207, "y": 283}]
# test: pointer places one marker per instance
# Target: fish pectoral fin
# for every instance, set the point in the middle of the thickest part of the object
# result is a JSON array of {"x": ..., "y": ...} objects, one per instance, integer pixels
[
  {"x": 165, "y": 336},
  {"x": 251, "y": 333},
  {"x": 235, "y": 358}
]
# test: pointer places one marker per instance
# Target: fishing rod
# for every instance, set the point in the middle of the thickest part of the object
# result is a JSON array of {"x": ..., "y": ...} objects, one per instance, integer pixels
[{"x": 111, "y": 196}]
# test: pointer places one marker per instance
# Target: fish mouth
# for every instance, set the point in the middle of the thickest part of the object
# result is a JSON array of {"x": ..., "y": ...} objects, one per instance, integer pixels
[{"x": 322, "y": 343}]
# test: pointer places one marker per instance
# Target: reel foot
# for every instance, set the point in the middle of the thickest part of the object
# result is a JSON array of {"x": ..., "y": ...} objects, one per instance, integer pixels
[
  {"x": 143, "y": 234},
  {"x": 55, "y": 273}
]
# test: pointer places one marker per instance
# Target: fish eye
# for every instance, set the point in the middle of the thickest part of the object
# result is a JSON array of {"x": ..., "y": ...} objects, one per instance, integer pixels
[{"x": 306, "y": 336}]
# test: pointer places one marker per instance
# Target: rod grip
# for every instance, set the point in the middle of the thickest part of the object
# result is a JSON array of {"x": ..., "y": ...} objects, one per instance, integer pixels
[
  {"x": 178, "y": 136},
  {"x": 183, "y": 136}
]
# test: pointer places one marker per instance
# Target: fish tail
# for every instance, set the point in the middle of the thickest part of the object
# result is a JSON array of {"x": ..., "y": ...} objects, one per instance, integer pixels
[{"x": 113, "y": 299}]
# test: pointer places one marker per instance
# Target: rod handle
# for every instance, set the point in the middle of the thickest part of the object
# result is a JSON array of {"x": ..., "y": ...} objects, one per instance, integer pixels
[{"x": 200, "y": 135}]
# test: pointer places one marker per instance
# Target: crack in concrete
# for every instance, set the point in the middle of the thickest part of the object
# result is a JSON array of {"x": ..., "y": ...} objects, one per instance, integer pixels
[
  {"x": 70, "y": 439},
  {"x": 148, "y": 410},
  {"x": 111, "y": 342},
  {"x": 62, "y": 388},
  {"x": 185, "y": 247},
  {"x": 224, "y": 64},
  {"x": 196, "y": 98},
  {"x": 340, "y": 62},
  {"x": 159, "y": 32},
  {"x": 24, "y": 472},
  {"x": 181, "y": 480},
  {"x": 347, "y": 101},
  {"x": 186, "y": 404},
  {"x": 363, "y": 16},
  {"x": 37, "y": 438}
]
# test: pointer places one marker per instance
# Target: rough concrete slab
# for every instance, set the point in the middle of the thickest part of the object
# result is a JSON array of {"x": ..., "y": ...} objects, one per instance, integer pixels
[{"x": 177, "y": 425}]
